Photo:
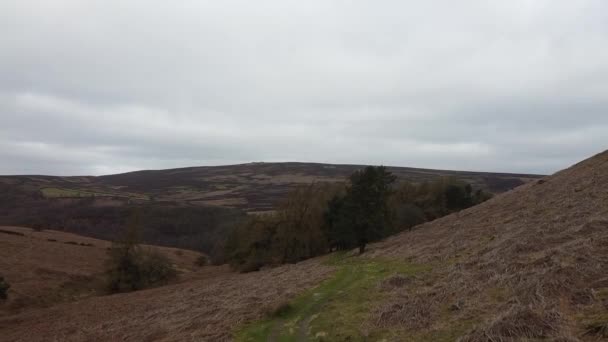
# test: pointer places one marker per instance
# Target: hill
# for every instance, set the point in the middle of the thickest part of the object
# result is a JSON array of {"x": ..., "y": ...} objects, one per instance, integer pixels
[
  {"x": 191, "y": 208},
  {"x": 49, "y": 267},
  {"x": 249, "y": 187},
  {"x": 529, "y": 264}
]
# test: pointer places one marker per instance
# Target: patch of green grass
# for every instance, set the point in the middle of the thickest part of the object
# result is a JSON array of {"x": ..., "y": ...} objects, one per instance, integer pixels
[
  {"x": 64, "y": 192},
  {"x": 602, "y": 293},
  {"x": 334, "y": 310}
]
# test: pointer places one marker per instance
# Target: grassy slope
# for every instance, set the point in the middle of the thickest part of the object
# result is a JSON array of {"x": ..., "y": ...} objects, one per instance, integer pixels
[
  {"x": 49, "y": 267},
  {"x": 334, "y": 310}
]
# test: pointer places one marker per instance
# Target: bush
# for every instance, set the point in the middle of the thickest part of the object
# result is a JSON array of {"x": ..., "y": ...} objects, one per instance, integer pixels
[
  {"x": 154, "y": 268},
  {"x": 4, "y": 286},
  {"x": 201, "y": 261},
  {"x": 279, "y": 310},
  {"x": 131, "y": 269}
]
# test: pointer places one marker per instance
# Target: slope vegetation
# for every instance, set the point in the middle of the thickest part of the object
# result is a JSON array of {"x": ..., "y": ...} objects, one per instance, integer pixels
[{"x": 529, "y": 264}]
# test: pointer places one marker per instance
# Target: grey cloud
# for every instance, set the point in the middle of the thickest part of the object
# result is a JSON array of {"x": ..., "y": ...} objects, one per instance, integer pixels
[{"x": 107, "y": 86}]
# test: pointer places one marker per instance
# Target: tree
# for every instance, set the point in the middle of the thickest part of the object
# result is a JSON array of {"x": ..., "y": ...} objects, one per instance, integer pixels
[
  {"x": 250, "y": 244},
  {"x": 362, "y": 215},
  {"x": 407, "y": 215},
  {"x": 291, "y": 234},
  {"x": 338, "y": 232},
  {"x": 300, "y": 235},
  {"x": 413, "y": 204}
]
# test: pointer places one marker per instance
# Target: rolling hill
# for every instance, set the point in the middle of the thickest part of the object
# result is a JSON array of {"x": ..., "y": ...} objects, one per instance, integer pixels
[
  {"x": 528, "y": 265},
  {"x": 191, "y": 208},
  {"x": 250, "y": 187}
]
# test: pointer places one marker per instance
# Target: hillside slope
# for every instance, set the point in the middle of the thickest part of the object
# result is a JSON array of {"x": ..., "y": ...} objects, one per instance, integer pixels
[
  {"x": 49, "y": 267},
  {"x": 529, "y": 264}
]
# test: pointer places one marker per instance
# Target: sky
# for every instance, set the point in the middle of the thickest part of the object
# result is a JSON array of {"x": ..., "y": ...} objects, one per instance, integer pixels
[{"x": 107, "y": 86}]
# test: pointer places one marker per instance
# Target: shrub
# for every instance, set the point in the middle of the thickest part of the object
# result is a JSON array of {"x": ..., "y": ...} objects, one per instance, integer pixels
[
  {"x": 4, "y": 286},
  {"x": 201, "y": 261},
  {"x": 154, "y": 268},
  {"x": 278, "y": 310},
  {"x": 131, "y": 269}
]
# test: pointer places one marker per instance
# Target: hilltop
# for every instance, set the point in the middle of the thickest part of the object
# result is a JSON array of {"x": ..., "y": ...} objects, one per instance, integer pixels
[{"x": 529, "y": 264}]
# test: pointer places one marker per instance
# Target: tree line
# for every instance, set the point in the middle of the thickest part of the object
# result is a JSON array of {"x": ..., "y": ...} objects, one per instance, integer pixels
[{"x": 323, "y": 217}]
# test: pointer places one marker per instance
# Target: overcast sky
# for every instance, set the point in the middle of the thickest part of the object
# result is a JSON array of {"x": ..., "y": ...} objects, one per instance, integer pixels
[{"x": 103, "y": 86}]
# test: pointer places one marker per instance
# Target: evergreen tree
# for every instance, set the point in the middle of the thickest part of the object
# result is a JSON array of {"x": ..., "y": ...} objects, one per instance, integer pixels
[{"x": 362, "y": 215}]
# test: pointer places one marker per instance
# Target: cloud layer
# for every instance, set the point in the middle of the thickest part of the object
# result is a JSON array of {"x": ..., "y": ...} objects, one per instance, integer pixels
[{"x": 100, "y": 87}]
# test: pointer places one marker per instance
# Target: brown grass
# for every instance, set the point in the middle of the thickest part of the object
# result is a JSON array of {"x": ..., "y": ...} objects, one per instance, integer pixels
[
  {"x": 199, "y": 310},
  {"x": 48, "y": 267},
  {"x": 519, "y": 323},
  {"x": 527, "y": 263}
]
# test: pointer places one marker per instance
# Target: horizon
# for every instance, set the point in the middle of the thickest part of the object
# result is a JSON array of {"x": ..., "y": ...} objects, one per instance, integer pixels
[
  {"x": 275, "y": 162},
  {"x": 509, "y": 87}
]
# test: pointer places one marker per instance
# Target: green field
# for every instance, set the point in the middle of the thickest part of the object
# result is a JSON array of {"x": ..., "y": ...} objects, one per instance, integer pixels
[{"x": 65, "y": 192}]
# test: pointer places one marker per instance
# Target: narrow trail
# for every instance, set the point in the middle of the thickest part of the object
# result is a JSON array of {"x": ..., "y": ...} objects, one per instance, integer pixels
[
  {"x": 299, "y": 327},
  {"x": 334, "y": 309}
]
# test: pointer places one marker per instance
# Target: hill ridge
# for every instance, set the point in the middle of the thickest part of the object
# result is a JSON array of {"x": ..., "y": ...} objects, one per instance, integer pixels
[{"x": 249, "y": 187}]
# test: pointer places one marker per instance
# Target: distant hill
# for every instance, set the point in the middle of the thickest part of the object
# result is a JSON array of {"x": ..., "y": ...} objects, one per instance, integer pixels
[
  {"x": 250, "y": 187},
  {"x": 191, "y": 208},
  {"x": 528, "y": 265}
]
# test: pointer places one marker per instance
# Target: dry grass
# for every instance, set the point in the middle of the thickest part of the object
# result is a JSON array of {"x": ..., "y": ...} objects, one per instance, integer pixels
[
  {"x": 200, "y": 310},
  {"x": 519, "y": 323},
  {"x": 48, "y": 267},
  {"x": 411, "y": 312},
  {"x": 527, "y": 263}
]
